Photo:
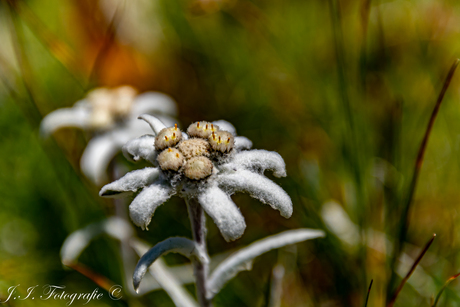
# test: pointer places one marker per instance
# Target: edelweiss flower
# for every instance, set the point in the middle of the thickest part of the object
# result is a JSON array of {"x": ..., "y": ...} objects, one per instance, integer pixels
[
  {"x": 112, "y": 115},
  {"x": 208, "y": 163}
]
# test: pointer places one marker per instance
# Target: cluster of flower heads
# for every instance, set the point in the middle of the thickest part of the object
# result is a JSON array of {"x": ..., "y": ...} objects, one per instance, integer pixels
[
  {"x": 193, "y": 156},
  {"x": 110, "y": 105},
  {"x": 209, "y": 162},
  {"x": 110, "y": 114}
]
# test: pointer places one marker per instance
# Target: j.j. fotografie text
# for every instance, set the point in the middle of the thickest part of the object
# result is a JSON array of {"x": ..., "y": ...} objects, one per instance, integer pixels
[{"x": 54, "y": 292}]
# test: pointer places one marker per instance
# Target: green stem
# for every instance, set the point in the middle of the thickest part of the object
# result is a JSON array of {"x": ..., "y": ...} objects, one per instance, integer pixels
[
  {"x": 402, "y": 232},
  {"x": 444, "y": 288},
  {"x": 412, "y": 269},
  {"x": 201, "y": 268},
  {"x": 352, "y": 138},
  {"x": 368, "y": 293}
]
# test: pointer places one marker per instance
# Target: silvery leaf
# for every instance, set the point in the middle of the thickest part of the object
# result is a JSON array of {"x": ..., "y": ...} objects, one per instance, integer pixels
[
  {"x": 243, "y": 258},
  {"x": 179, "y": 245},
  {"x": 167, "y": 281}
]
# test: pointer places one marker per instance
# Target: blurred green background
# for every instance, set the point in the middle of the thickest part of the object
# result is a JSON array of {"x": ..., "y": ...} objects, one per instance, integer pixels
[{"x": 343, "y": 90}]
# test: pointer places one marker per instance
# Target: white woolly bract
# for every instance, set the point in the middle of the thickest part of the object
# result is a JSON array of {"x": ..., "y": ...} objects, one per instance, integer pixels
[
  {"x": 144, "y": 205},
  {"x": 97, "y": 156},
  {"x": 259, "y": 161},
  {"x": 131, "y": 182},
  {"x": 154, "y": 102},
  {"x": 225, "y": 125},
  {"x": 156, "y": 124},
  {"x": 242, "y": 143},
  {"x": 219, "y": 206},
  {"x": 112, "y": 113},
  {"x": 78, "y": 116},
  {"x": 141, "y": 148},
  {"x": 178, "y": 245},
  {"x": 102, "y": 148},
  {"x": 209, "y": 176},
  {"x": 242, "y": 259},
  {"x": 77, "y": 241},
  {"x": 258, "y": 186}
]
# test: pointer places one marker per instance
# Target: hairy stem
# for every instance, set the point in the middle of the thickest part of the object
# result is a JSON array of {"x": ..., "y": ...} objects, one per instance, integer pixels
[
  {"x": 200, "y": 268},
  {"x": 127, "y": 253}
]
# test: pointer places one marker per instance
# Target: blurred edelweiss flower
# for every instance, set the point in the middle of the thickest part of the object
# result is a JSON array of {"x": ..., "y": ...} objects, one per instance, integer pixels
[
  {"x": 112, "y": 115},
  {"x": 208, "y": 163}
]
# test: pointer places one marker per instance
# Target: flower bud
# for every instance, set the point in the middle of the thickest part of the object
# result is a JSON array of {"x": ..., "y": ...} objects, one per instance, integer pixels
[
  {"x": 194, "y": 147},
  {"x": 222, "y": 141},
  {"x": 170, "y": 159},
  {"x": 198, "y": 168},
  {"x": 202, "y": 129},
  {"x": 123, "y": 99},
  {"x": 168, "y": 137}
]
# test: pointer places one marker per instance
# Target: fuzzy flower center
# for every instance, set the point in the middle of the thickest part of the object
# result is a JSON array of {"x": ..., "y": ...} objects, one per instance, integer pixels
[
  {"x": 201, "y": 129},
  {"x": 110, "y": 105},
  {"x": 168, "y": 137},
  {"x": 170, "y": 159},
  {"x": 192, "y": 157}
]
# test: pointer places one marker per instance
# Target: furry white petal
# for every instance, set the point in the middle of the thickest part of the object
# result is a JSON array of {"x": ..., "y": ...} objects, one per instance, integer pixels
[
  {"x": 79, "y": 116},
  {"x": 78, "y": 240},
  {"x": 154, "y": 102},
  {"x": 220, "y": 207},
  {"x": 242, "y": 143},
  {"x": 167, "y": 120},
  {"x": 141, "y": 148},
  {"x": 143, "y": 207},
  {"x": 156, "y": 124},
  {"x": 97, "y": 156},
  {"x": 131, "y": 182},
  {"x": 258, "y": 186},
  {"x": 101, "y": 149},
  {"x": 225, "y": 125},
  {"x": 259, "y": 161}
]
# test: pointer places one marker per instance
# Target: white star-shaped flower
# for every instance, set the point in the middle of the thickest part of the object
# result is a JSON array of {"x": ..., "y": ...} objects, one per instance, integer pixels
[
  {"x": 208, "y": 163},
  {"x": 111, "y": 114}
]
